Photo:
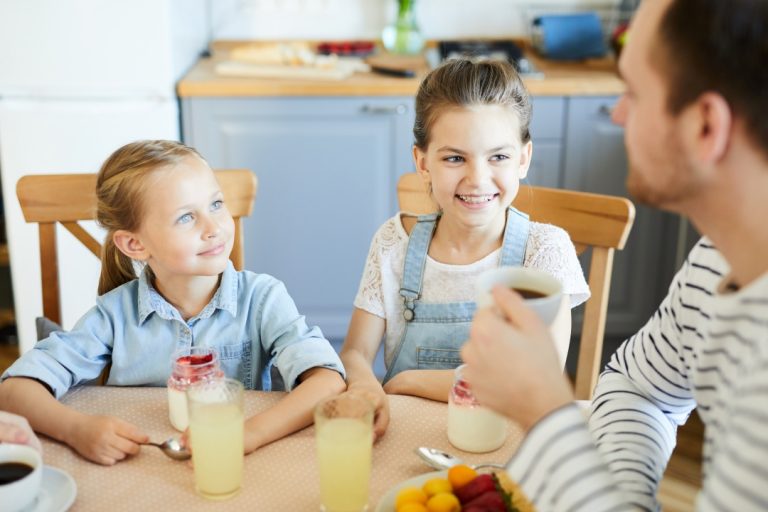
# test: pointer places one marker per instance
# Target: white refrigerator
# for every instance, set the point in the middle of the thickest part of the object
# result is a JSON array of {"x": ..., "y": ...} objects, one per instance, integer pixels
[{"x": 78, "y": 79}]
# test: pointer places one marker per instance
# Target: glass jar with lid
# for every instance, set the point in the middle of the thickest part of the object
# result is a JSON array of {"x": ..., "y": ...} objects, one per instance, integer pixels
[
  {"x": 472, "y": 427},
  {"x": 188, "y": 366}
]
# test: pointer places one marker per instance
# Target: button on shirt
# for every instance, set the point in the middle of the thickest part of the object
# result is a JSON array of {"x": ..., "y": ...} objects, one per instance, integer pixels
[{"x": 251, "y": 321}]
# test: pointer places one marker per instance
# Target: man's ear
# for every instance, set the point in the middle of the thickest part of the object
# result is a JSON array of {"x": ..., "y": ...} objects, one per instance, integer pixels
[
  {"x": 526, "y": 152},
  {"x": 710, "y": 124},
  {"x": 129, "y": 244}
]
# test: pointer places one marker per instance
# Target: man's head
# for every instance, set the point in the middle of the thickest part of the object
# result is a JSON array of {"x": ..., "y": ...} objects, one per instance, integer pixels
[{"x": 696, "y": 78}]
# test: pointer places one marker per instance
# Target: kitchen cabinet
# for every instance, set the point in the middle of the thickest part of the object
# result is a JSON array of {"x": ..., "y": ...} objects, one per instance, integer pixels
[
  {"x": 595, "y": 161},
  {"x": 327, "y": 170}
]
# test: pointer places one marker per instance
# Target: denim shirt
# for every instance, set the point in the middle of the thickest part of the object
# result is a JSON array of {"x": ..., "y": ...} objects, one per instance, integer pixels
[{"x": 251, "y": 321}]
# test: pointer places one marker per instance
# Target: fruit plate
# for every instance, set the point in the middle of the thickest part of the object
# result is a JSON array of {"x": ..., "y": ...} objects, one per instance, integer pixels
[{"x": 387, "y": 502}]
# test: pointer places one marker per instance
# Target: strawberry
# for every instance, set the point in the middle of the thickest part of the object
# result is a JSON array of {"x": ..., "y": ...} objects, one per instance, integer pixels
[
  {"x": 479, "y": 485},
  {"x": 195, "y": 359},
  {"x": 489, "y": 501}
]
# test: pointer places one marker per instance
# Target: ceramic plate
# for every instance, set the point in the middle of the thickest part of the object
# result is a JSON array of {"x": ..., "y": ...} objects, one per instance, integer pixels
[
  {"x": 387, "y": 502},
  {"x": 57, "y": 492}
]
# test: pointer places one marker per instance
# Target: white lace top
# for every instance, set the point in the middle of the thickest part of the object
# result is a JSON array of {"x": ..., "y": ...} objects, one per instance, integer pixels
[{"x": 549, "y": 248}]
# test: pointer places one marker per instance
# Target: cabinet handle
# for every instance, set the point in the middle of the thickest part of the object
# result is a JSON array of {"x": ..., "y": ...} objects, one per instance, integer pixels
[
  {"x": 368, "y": 109},
  {"x": 605, "y": 110}
]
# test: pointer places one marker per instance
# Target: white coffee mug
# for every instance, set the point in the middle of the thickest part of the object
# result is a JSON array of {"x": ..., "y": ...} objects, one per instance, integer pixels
[
  {"x": 546, "y": 290},
  {"x": 16, "y": 495}
]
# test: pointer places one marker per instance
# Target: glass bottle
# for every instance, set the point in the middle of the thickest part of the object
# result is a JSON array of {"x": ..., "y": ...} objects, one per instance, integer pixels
[
  {"x": 403, "y": 36},
  {"x": 189, "y": 365},
  {"x": 472, "y": 427}
]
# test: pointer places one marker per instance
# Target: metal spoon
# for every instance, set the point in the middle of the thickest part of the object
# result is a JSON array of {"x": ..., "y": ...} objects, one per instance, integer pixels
[
  {"x": 438, "y": 459},
  {"x": 173, "y": 449}
]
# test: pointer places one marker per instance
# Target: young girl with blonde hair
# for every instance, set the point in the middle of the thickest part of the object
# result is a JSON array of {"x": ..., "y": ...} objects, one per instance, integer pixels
[
  {"x": 472, "y": 147},
  {"x": 164, "y": 211}
]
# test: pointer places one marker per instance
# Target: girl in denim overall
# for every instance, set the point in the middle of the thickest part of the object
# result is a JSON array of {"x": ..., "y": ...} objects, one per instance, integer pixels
[{"x": 472, "y": 147}]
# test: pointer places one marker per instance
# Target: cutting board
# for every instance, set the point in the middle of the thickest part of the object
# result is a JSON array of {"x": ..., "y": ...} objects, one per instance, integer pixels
[
  {"x": 341, "y": 69},
  {"x": 416, "y": 63}
]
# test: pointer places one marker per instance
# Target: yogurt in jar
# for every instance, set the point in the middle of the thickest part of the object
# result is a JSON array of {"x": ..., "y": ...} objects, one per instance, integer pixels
[
  {"x": 472, "y": 427},
  {"x": 189, "y": 366}
]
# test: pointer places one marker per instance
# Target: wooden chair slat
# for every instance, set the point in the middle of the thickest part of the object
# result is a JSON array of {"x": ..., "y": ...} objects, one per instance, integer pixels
[{"x": 84, "y": 237}]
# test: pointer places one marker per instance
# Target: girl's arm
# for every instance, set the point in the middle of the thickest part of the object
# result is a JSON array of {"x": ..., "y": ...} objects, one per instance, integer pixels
[
  {"x": 293, "y": 412},
  {"x": 102, "y": 439},
  {"x": 432, "y": 384},
  {"x": 363, "y": 340},
  {"x": 436, "y": 384}
]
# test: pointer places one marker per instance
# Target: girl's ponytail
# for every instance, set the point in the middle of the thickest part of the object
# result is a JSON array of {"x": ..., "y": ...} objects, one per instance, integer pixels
[{"x": 116, "y": 267}]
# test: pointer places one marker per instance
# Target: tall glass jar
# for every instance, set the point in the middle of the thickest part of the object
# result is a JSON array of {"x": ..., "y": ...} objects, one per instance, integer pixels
[
  {"x": 403, "y": 35},
  {"x": 189, "y": 365},
  {"x": 472, "y": 427}
]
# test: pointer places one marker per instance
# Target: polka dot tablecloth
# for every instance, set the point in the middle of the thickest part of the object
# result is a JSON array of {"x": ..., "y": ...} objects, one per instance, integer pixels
[{"x": 279, "y": 477}]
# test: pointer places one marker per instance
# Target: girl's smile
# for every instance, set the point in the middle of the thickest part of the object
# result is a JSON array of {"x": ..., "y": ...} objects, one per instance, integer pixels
[
  {"x": 214, "y": 251},
  {"x": 477, "y": 201},
  {"x": 473, "y": 162}
]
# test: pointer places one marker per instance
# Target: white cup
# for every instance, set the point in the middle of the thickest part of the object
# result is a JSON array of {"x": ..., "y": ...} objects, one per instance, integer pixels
[
  {"x": 16, "y": 495},
  {"x": 522, "y": 279}
]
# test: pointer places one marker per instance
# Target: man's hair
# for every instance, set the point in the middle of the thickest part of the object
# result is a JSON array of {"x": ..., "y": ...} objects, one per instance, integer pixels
[{"x": 719, "y": 46}]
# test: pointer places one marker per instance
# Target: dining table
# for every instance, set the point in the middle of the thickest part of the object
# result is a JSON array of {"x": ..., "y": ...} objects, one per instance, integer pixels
[{"x": 281, "y": 476}]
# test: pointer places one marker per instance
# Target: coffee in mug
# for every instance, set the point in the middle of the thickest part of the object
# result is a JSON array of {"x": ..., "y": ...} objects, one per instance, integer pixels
[
  {"x": 541, "y": 291},
  {"x": 21, "y": 469}
]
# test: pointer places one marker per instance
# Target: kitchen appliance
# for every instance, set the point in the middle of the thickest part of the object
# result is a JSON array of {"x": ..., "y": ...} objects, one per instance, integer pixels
[
  {"x": 490, "y": 49},
  {"x": 78, "y": 79},
  {"x": 570, "y": 36}
]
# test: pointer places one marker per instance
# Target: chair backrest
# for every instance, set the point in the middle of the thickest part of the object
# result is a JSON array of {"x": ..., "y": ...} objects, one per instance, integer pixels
[
  {"x": 67, "y": 199},
  {"x": 595, "y": 221}
]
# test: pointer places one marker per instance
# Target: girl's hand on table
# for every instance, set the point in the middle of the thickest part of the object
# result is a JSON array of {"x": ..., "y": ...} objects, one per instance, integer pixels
[
  {"x": 378, "y": 398},
  {"x": 105, "y": 439}
]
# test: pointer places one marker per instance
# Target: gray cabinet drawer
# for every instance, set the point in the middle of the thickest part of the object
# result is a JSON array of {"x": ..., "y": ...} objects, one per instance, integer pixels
[{"x": 548, "y": 120}]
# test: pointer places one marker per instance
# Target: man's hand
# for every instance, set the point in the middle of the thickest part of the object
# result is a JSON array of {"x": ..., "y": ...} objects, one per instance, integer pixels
[
  {"x": 105, "y": 439},
  {"x": 16, "y": 429},
  {"x": 512, "y": 365}
]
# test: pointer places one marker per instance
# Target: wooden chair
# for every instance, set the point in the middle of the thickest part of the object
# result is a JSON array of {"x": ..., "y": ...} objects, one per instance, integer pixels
[
  {"x": 595, "y": 221},
  {"x": 70, "y": 198}
]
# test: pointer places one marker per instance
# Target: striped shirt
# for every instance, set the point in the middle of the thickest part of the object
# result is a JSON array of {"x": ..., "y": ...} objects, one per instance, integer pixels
[{"x": 704, "y": 348}]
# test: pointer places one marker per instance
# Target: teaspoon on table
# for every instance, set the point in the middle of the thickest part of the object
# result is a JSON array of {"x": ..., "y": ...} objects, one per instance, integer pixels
[
  {"x": 438, "y": 459},
  {"x": 173, "y": 449}
]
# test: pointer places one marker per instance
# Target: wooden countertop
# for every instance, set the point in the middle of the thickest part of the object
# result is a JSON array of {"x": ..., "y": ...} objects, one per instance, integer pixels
[{"x": 592, "y": 77}]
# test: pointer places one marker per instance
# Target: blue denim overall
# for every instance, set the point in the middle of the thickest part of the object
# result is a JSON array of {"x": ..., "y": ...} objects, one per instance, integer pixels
[{"x": 435, "y": 332}]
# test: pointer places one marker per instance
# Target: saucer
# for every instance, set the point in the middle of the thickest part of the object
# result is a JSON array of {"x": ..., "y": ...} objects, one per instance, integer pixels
[{"x": 57, "y": 492}]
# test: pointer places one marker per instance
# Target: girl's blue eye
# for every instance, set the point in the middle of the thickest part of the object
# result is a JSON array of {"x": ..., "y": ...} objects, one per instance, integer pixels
[
  {"x": 498, "y": 158},
  {"x": 217, "y": 204},
  {"x": 187, "y": 217},
  {"x": 454, "y": 159}
]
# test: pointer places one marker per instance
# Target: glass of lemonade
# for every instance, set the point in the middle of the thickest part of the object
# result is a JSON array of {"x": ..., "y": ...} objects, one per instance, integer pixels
[
  {"x": 216, "y": 423},
  {"x": 344, "y": 431}
]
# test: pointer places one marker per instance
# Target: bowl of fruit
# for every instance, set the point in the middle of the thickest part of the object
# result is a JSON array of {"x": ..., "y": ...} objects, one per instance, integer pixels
[{"x": 459, "y": 488}]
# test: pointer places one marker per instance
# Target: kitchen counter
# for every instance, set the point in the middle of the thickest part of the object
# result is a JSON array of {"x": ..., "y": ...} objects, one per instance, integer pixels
[{"x": 584, "y": 78}]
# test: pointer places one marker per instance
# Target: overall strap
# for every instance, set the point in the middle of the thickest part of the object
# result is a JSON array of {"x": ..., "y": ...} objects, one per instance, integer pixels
[
  {"x": 515, "y": 238},
  {"x": 415, "y": 259}
]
